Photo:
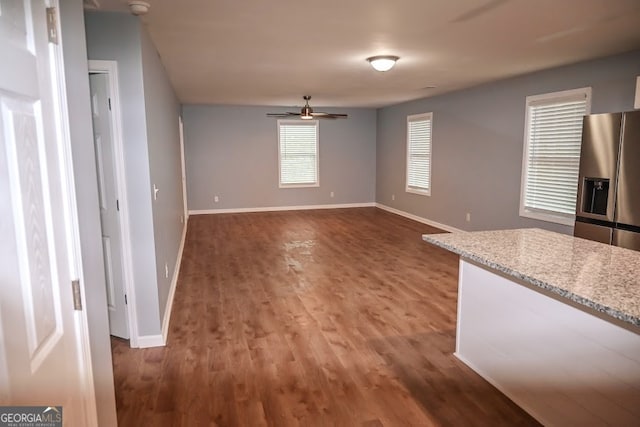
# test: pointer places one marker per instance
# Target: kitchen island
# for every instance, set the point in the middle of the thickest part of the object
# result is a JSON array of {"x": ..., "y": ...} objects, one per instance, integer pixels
[{"x": 552, "y": 321}]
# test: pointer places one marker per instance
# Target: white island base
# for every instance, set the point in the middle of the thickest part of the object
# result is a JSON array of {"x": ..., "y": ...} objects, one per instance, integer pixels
[{"x": 561, "y": 364}]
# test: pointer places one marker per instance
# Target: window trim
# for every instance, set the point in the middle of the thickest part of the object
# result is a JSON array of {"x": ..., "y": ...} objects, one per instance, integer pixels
[
  {"x": 416, "y": 118},
  {"x": 299, "y": 123},
  {"x": 530, "y": 101}
]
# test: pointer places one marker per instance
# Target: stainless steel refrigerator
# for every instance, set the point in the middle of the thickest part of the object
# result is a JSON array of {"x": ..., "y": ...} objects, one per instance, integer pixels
[{"x": 608, "y": 205}]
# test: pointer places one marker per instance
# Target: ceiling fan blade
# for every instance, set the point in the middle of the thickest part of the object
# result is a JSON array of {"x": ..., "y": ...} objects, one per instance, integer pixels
[
  {"x": 287, "y": 114},
  {"x": 324, "y": 115},
  {"x": 477, "y": 11}
]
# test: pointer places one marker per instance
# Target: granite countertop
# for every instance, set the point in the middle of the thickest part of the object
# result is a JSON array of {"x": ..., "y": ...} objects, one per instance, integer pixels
[{"x": 602, "y": 277}]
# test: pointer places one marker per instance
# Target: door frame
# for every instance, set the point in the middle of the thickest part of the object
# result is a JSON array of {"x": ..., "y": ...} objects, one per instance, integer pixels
[
  {"x": 184, "y": 170},
  {"x": 63, "y": 131},
  {"x": 110, "y": 68}
]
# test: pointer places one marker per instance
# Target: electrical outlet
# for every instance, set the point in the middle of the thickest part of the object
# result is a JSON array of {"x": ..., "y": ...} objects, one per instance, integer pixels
[
  {"x": 393, "y": 197},
  {"x": 216, "y": 199},
  {"x": 166, "y": 271},
  {"x": 331, "y": 194},
  {"x": 468, "y": 216}
]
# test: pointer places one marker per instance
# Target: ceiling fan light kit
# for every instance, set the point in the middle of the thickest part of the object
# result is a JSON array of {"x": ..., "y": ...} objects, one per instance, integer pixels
[
  {"x": 307, "y": 112},
  {"x": 383, "y": 62}
]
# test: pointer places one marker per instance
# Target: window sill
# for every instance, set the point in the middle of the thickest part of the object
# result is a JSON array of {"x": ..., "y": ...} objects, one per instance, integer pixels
[
  {"x": 420, "y": 192},
  {"x": 311, "y": 185},
  {"x": 547, "y": 217}
]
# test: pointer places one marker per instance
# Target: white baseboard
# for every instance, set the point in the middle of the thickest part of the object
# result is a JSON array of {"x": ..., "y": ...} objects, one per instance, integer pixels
[
  {"x": 146, "y": 341},
  {"x": 174, "y": 284},
  {"x": 281, "y": 208},
  {"x": 419, "y": 219},
  {"x": 336, "y": 206}
]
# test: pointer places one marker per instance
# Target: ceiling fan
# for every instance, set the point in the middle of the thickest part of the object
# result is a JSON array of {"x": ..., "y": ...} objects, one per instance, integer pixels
[{"x": 307, "y": 113}]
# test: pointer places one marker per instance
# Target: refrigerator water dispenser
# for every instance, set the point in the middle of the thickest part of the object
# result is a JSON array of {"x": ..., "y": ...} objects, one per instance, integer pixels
[{"x": 596, "y": 195}]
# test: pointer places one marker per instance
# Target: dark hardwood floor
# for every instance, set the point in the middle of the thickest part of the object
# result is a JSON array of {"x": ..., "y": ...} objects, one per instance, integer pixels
[{"x": 309, "y": 318}]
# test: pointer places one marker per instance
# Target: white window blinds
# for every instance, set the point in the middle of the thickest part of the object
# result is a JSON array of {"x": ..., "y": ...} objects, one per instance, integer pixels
[
  {"x": 552, "y": 154},
  {"x": 419, "y": 153},
  {"x": 298, "y": 152}
]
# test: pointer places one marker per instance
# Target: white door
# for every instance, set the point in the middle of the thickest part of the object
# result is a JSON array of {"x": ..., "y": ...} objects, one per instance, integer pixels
[
  {"x": 109, "y": 205},
  {"x": 41, "y": 344}
]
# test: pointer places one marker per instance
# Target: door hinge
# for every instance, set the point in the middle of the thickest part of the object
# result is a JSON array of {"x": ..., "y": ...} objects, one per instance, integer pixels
[
  {"x": 125, "y": 300},
  {"x": 52, "y": 25},
  {"x": 118, "y": 205},
  {"x": 109, "y": 104},
  {"x": 77, "y": 299}
]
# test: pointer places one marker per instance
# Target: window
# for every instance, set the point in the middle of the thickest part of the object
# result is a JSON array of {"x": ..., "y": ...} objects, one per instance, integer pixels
[
  {"x": 553, "y": 134},
  {"x": 419, "y": 153},
  {"x": 298, "y": 153}
]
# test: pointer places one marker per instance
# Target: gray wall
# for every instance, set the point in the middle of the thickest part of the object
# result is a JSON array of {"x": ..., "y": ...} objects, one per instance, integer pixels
[
  {"x": 117, "y": 37},
  {"x": 232, "y": 152},
  {"x": 478, "y": 143},
  {"x": 162, "y": 110},
  {"x": 77, "y": 84}
]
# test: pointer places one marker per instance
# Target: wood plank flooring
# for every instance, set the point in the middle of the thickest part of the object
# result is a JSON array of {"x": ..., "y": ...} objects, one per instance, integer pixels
[{"x": 309, "y": 318}]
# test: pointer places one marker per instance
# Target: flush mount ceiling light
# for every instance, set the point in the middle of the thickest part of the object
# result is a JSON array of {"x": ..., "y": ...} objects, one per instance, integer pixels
[
  {"x": 383, "y": 62},
  {"x": 138, "y": 7}
]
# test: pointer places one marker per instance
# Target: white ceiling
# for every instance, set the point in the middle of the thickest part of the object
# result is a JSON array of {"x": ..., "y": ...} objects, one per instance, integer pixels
[{"x": 271, "y": 52}]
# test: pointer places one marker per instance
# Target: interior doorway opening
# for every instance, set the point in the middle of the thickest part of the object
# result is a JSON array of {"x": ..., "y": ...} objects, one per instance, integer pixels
[{"x": 112, "y": 192}]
